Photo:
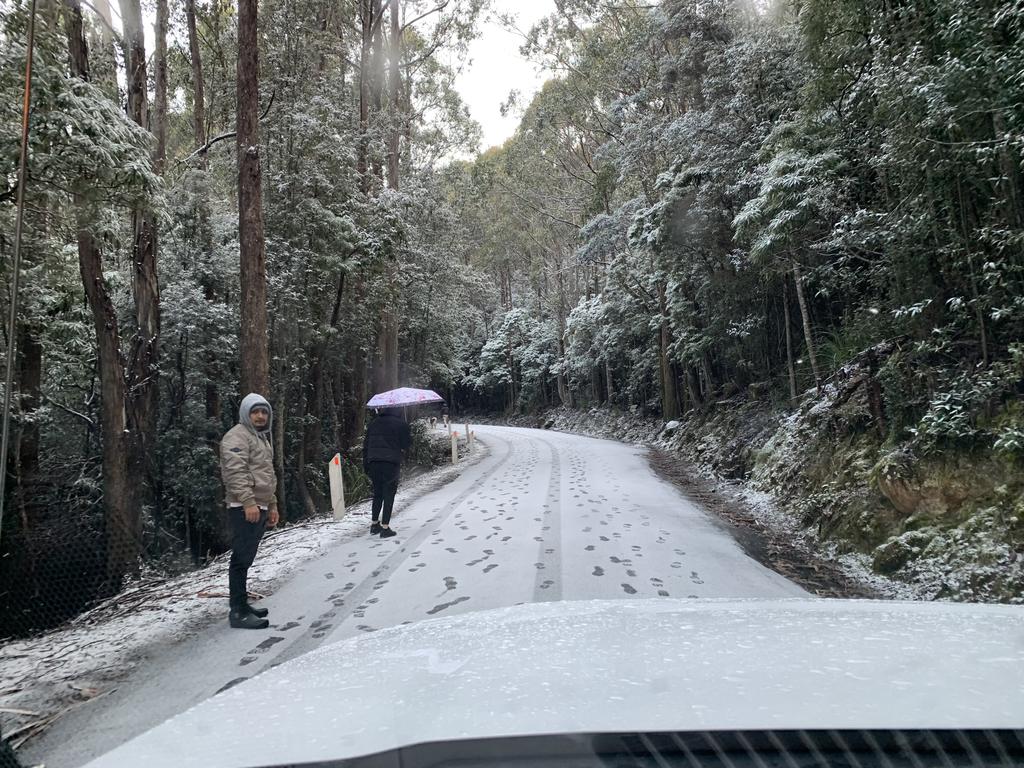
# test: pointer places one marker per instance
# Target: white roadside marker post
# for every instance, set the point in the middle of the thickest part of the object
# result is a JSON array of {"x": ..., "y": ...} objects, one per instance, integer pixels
[
  {"x": 469, "y": 439},
  {"x": 455, "y": 447},
  {"x": 337, "y": 487}
]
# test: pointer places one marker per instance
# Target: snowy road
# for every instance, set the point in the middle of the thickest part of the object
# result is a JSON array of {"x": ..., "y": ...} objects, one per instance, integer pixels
[{"x": 543, "y": 517}]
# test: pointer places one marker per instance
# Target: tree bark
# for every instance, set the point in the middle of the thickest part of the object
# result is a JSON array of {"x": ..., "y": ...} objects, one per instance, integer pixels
[
  {"x": 394, "y": 96},
  {"x": 806, "y": 317},
  {"x": 609, "y": 383},
  {"x": 365, "y": 76},
  {"x": 692, "y": 384},
  {"x": 280, "y": 417},
  {"x": 564, "y": 390},
  {"x": 354, "y": 417},
  {"x": 160, "y": 84},
  {"x": 143, "y": 373},
  {"x": 789, "y": 343},
  {"x": 377, "y": 75},
  {"x": 30, "y": 379},
  {"x": 311, "y": 454},
  {"x": 123, "y": 523},
  {"x": 386, "y": 368},
  {"x": 255, "y": 362},
  {"x": 389, "y": 320},
  {"x": 198, "y": 86},
  {"x": 669, "y": 409},
  {"x": 212, "y": 395}
]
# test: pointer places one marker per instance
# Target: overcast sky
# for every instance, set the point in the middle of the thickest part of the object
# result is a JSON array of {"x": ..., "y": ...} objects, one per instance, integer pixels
[{"x": 495, "y": 68}]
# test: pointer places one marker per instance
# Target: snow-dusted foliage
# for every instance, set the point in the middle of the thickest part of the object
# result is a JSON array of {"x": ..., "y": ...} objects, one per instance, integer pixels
[{"x": 757, "y": 199}]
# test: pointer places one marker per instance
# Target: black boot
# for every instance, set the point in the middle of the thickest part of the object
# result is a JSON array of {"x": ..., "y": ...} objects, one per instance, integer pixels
[
  {"x": 242, "y": 619},
  {"x": 374, "y": 528},
  {"x": 387, "y": 533},
  {"x": 259, "y": 612}
]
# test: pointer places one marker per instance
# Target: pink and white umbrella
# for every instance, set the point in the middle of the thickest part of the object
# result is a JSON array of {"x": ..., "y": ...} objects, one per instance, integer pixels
[{"x": 395, "y": 398}]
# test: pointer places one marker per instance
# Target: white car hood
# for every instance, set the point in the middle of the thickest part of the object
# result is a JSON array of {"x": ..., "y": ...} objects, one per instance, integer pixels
[{"x": 613, "y": 666}]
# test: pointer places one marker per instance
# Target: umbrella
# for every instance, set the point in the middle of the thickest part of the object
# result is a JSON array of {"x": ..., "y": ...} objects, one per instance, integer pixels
[{"x": 395, "y": 398}]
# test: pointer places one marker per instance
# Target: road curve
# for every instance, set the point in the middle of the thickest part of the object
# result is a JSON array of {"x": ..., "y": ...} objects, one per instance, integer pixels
[{"x": 544, "y": 516}]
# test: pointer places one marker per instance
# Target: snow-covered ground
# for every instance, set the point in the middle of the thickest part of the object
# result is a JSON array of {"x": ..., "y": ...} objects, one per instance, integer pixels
[
  {"x": 67, "y": 672},
  {"x": 638, "y": 430},
  {"x": 541, "y": 517}
]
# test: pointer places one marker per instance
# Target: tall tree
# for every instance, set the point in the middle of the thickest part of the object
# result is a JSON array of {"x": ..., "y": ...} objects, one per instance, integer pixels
[
  {"x": 122, "y": 518},
  {"x": 160, "y": 86},
  {"x": 143, "y": 372},
  {"x": 254, "y": 346},
  {"x": 198, "y": 86},
  {"x": 395, "y": 121}
]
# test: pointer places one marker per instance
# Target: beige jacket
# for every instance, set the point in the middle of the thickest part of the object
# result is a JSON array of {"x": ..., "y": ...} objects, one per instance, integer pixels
[{"x": 247, "y": 462}]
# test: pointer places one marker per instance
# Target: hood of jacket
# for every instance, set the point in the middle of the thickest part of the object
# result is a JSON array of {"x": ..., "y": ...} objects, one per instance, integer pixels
[{"x": 249, "y": 402}]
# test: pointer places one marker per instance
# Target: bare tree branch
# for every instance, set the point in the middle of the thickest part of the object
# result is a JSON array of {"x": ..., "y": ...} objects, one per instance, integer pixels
[
  {"x": 230, "y": 134},
  {"x": 424, "y": 15}
]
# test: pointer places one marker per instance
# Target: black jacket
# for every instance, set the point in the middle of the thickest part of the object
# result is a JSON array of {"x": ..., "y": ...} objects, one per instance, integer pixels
[{"x": 386, "y": 437}]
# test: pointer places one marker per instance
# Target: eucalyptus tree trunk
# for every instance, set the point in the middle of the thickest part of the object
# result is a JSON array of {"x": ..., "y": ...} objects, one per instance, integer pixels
[
  {"x": 669, "y": 401},
  {"x": 211, "y": 399},
  {"x": 281, "y": 406},
  {"x": 377, "y": 73},
  {"x": 386, "y": 368},
  {"x": 365, "y": 76},
  {"x": 394, "y": 95},
  {"x": 1011, "y": 173},
  {"x": 198, "y": 86},
  {"x": 806, "y": 317},
  {"x": 692, "y": 384},
  {"x": 160, "y": 84},
  {"x": 789, "y": 343},
  {"x": 143, "y": 372},
  {"x": 30, "y": 380},
  {"x": 609, "y": 382},
  {"x": 121, "y": 516},
  {"x": 255, "y": 363},
  {"x": 311, "y": 453},
  {"x": 387, "y": 339},
  {"x": 350, "y": 392}
]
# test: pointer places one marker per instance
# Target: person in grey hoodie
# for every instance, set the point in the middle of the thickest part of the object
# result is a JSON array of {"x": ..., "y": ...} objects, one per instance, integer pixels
[{"x": 250, "y": 485}]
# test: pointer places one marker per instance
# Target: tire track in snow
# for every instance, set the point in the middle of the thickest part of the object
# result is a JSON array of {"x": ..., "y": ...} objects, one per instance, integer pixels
[
  {"x": 548, "y": 583},
  {"x": 361, "y": 592}
]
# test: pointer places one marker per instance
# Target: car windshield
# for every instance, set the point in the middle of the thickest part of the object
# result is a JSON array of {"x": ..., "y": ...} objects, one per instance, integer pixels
[{"x": 577, "y": 382}]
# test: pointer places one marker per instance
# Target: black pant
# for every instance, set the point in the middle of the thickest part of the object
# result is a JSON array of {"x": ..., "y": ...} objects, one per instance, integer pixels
[
  {"x": 245, "y": 540},
  {"x": 384, "y": 476}
]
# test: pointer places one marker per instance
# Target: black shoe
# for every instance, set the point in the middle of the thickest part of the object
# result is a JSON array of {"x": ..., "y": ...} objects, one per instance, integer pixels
[
  {"x": 259, "y": 612},
  {"x": 244, "y": 620},
  {"x": 387, "y": 533},
  {"x": 375, "y": 528}
]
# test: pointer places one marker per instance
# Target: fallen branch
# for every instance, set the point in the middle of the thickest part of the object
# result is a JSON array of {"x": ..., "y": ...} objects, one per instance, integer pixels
[
  {"x": 31, "y": 729},
  {"x": 13, "y": 711},
  {"x": 37, "y": 727}
]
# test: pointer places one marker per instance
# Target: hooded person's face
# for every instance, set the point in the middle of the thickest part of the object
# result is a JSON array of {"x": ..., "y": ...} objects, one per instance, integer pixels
[{"x": 259, "y": 416}]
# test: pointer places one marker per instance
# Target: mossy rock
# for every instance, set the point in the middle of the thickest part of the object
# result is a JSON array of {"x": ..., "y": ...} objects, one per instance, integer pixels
[
  {"x": 862, "y": 520},
  {"x": 900, "y": 550}
]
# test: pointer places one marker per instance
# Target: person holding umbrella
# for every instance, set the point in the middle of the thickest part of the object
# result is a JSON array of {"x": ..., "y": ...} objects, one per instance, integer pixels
[{"x": 387, "y": 436}]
